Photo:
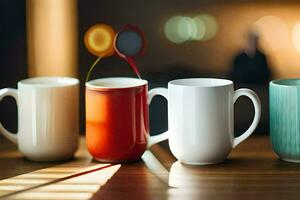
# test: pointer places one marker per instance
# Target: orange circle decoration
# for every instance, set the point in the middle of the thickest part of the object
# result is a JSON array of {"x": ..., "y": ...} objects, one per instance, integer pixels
[{"x": 99, "y": 40}]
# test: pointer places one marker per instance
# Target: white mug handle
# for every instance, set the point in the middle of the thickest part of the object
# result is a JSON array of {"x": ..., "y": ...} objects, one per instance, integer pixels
[
  {"x": 257, "y": 108},
  {"x": 14, "y": 93},
  {"x": 163, "y": 136}
]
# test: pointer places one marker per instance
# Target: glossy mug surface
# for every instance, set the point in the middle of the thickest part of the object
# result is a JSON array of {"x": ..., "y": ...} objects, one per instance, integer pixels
[
  {"x": 285, "y": 118},
  {"x": 117, "y": 119},
  {"x": 48, "y": 117},
  {"x": 200, "y": 115}
]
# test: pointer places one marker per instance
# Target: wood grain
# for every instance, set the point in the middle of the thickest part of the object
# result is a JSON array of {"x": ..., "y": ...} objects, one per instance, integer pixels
[{"x": 252, "y": 171}]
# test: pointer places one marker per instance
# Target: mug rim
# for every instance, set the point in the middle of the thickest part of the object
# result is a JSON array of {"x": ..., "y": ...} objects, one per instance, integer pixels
[
  {"x": 283, "y": 82},
  {"x": 139, "y": 82},
  {"x": 221, "y": 82},
  {"x": 49, "y": 81}
]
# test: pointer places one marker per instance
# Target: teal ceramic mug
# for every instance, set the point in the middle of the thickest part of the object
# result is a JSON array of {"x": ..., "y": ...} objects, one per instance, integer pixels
[{"x": 285, "y": 118}]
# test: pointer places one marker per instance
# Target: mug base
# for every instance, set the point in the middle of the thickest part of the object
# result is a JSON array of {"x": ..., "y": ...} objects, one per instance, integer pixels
[
  {"x": 117, "y": 161},
  {"x": 290, "y": 160},
  {"x": 51, "y": 159},
  {"x": 201, "y": 163}
]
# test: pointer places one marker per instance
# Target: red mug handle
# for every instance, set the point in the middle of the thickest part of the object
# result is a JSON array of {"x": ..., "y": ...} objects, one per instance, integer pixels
[{"x": 165, "y": 135}]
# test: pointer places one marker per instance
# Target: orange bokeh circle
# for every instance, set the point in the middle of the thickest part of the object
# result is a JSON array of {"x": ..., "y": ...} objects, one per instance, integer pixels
[{"x": 99, "y": 40}]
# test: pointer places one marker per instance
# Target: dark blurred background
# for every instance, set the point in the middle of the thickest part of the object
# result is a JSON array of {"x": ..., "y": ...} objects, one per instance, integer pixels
[{"x": 181, "y": 43}]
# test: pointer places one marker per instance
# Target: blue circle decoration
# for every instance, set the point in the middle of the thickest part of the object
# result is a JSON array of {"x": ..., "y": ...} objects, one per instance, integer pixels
[{"x": 129, "y": 43}]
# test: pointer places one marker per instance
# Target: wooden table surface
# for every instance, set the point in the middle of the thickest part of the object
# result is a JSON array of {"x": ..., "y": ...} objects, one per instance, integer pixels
[{"x": 252, "y": 171}]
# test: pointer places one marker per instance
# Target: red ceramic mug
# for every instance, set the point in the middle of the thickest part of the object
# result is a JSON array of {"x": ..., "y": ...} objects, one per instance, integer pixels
[{"x": 117, "y": 119}]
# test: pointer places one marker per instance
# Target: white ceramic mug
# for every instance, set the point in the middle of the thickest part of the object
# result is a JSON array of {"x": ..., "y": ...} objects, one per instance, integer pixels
[
  {"x": 48, "y": 117},
  {"x": 200, "y": 115}
]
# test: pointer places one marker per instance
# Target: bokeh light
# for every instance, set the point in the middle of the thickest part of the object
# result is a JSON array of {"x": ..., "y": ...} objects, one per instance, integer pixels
[
  {"x": 273, "y": 32},
  {"x": 187, "y": 28},
  {"x": 296, "y": 36},
  {"x": 99, "y": 40},
  {"x": 210, "y": 27},
  {"x": 179, "y": 29},
  {"x": 171, "y": 30},
  {"x": 200, "y": 28}
]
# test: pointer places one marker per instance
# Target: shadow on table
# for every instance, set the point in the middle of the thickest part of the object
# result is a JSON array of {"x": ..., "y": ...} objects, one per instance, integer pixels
[
  {"x": 73, "y": 180},
  {"x": 133, "y": 181},
  {"x": 252, "y": 170},
  {"x": 13, "y": 162}
]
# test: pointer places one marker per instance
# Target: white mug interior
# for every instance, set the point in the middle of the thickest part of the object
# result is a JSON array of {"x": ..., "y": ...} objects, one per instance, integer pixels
[
  {"x": 201, "y": 82},
  {"x": 49, "y": 81}
]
